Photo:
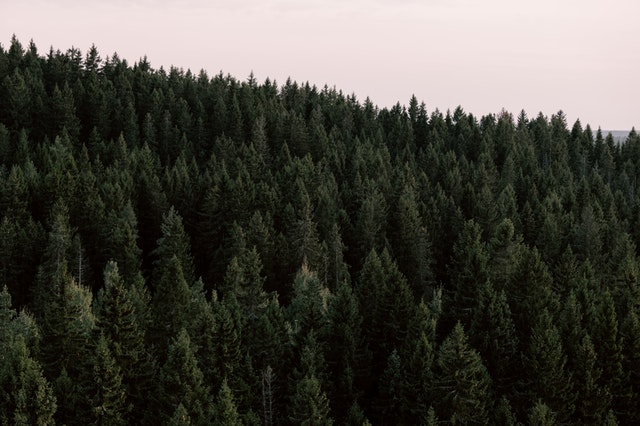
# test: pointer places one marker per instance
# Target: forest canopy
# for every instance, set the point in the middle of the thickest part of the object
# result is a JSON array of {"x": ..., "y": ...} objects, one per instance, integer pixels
[{"x": 192, "y": 249}]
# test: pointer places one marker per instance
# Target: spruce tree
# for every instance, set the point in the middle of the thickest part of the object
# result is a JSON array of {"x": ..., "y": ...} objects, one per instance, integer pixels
[
  {"x": 226, "y": 413},
  {"x": 541, "y": 415},
  {"x": 27, "y": 397},
  {"x": 463, "y": 386},
  {"x": 493, "y": 334},
  {"x": 170, "y": 302},
  {"x": 344, "y": 349},
  {"x": 549, "y": 378},
  {"x": 108, "y": 394},
  {"x": 468, "y": 271},
  {"x": 118, "y": 323},
  {"x": 417, "y": 364},
  {"x": 181, "y": 382}
]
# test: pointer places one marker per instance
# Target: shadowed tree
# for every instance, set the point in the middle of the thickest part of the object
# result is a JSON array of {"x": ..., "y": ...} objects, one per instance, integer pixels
[
  {"x": 124, "y": 337},
  {"x": 462, "y": 383},
  {"x": 181, "y": 382},
  {"x": 549, "y": 377}
]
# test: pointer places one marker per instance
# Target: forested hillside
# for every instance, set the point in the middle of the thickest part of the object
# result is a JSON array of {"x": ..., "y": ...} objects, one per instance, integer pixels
[{"x": 193, "y": 249}]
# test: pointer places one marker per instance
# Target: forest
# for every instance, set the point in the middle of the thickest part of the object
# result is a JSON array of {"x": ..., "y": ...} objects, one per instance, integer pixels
[{"x": 180, "y": 248}]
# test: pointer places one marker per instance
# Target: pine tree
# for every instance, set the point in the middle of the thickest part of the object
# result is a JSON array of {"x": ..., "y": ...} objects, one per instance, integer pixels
[
  {"x": 175, "y": 242},
  {"x": 180, "y": 417},
  {"x": 385, "y": 301},
  {"x": 493, "y": 334},
  {"x": 503, "y": 414},
  {"x": 462, "y": 382},
  {"x": 592, "y": 399},
  {"x": 389, "y": 402},
  {"x": 7, "y": 316},
  {"x": 55, "y": 258},
  {"x": 468, "y": 271},
  {"x": 30, "y": 399},
  {"x": 181, "y": 382},
  {"x": 226, "y": 411},
  {"x": 549, "y": 377},
  {"x": 308, "y": 308},
  {"x": 170, "y": 302},
  {"x": 117, "y": 321},
  {"x": 243, "y": 278},
  {"x": 309, "y": 405},
  {"x": 120, "y": 235},
  {"x": 344, "y": 348},
  {"x": 631, "y": 335},
  {"x": 411, "y": 244},
  {"x": 609, "y": 345},
  {"x": 504, "y": 254},
  {"x": 541, "y": 415},
  {"x": 417, "y": 365},
  {"x": 227, "y": 339},
  {"x": 108, "y": 400},
  {"x": 26, "y": 397}
]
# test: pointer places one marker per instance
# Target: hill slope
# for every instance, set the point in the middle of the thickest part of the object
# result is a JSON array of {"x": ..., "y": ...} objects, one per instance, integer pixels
[{"x": 186, "y": 247}]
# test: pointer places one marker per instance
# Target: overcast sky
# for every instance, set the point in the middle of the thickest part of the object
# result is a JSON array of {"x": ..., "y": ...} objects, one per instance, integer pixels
[{"x": 579, "y": 56}]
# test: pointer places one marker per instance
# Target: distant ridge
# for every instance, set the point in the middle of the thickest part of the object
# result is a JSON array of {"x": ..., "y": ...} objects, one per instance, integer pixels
[{"x": 619, "y": 136}]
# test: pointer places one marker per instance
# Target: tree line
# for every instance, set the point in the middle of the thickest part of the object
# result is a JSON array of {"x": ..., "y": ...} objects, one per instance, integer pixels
[{"x": 192, "y": 249}]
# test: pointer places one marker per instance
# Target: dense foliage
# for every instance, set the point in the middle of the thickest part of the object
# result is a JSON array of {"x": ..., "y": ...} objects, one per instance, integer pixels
[{"x": 186, "y": 249}]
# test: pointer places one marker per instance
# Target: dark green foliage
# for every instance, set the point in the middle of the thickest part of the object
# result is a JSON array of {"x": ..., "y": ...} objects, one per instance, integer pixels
[
  {"x": 124, "y": 338},
  {"x": 170, "y": 302},
  {"x": 417, "y": 365},
  {"x": 357, "y": 262},
  {"x": 27, "y": 397},
  {"x": 550, "y": 381},
  {"x": 493, "y": 334},
  {"x": 175, "y": 242},
  {"x": 108, "y": 395},
  {"x": 541, "y": 415},
  {"x": 344, "y": 349},
  {"x": 463, "y": 385},
  {"x": 469, "y": 271},
  {"x": 226, "y": 412},
  {"x": 309, "y": 404},
  {"x": 180, "y": 382}
]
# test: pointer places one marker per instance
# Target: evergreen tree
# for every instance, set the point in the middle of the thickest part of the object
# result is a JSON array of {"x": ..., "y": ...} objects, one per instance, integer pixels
[
  {"x": 592, "y": 399},
  {"x": 108, "y": 399},
  {"x": 308, "y": 308},
  {"x": 226, "y": 411},
  {"x": 389, "y": 402},
  {"x": 180, "y": 382},
  {"x": 243, "y": 279},
  {"x": 180, "y": 417},
  {"x": 468, "y": 271},
  {"x": 493, "y": 334},
  {"x": 227, "y": 340},
  {"x": 344, "y": 349},
  {"x": 462, "y": 384},
  {"x": 541, "y": 415},
  {"x": 124, "y": 337},
  {"x": 170, "y": 302},
  {"x": 417, "y": 365},
  {"x": 55, "y": 258},
  {"x": 309, "y": 404},
  {"x": 411, "y": 244},
  {"x": 608, "y": 345},
  {"x": 26, "y": 398},
  {"x": 175, "y": 242},
  {"x": 549, "y": 377}
]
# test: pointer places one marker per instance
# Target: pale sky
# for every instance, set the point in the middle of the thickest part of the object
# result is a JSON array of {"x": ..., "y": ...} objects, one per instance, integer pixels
[{"x": 579, "y": 56}]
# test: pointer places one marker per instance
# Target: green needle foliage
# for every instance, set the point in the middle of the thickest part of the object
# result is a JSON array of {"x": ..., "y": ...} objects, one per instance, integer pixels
[{"x": 185, "y": 248}]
